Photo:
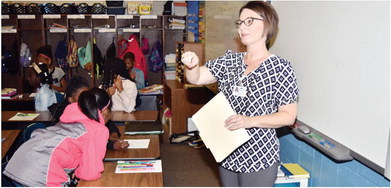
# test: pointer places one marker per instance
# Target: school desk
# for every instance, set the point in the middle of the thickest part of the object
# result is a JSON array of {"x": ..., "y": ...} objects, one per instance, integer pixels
[
  {"x": 111, "y": 179},
  {"x": 122, "y": 116},
  {"x": 22, "y": 102},
  {"x": 44, "y": 117},
  {"x": 153, "y": 150},
  {"x": 9, "y": 137}
]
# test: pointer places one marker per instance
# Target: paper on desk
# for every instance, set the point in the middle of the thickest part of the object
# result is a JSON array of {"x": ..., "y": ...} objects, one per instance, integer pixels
[
  {"x": 210, "y": 123},
  {"x": 138, "y": 143},
  {"x": 23, "y": 117}
]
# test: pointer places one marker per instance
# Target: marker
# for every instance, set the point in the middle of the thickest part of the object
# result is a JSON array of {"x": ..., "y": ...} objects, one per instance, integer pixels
[
  {"x": 329, "y": 143},
  {"x": 317, "y": 137},
  {"x": 326, "y": 145}
]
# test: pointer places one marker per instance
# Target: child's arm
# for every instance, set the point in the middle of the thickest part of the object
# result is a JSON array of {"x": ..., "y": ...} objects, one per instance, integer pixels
[
  {"x": 94, "y": 150},
  {"x": 128, "y": 95}
]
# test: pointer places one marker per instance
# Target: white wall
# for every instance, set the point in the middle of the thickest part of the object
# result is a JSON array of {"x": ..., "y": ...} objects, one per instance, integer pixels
[{"x": 341, "y": 55}]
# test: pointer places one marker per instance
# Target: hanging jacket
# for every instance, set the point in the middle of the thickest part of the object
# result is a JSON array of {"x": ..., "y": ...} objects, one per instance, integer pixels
[
  {"x": 133, "y": 46},
  {"x": 75, "y": 144}
]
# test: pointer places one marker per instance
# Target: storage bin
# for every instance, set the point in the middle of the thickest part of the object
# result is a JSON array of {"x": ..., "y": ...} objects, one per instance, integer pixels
[
  {"x": 114, "y": 3},
  {"x": 115, "y": 10}
]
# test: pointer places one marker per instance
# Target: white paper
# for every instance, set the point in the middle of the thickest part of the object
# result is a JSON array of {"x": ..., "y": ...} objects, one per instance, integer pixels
[
  {"x": 23, "y": 117},
  {"x": 82, "y": 30},
  {"x": 124, "y": 16},
  {"x": 148, "y": 17},
  {"x": 29, "y": 16},
  {"x": 210, "y": 123},
  {"x": 100, "y": 16},
  {"x": 138, "y": 143},
  {"x": 52, "y": 16},
  {"x": 131, "y": 30},
  {"x": 80, "y": 16}
]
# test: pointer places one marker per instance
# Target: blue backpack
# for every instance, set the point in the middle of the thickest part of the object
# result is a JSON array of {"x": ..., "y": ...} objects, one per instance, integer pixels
[
  {"x": 155, "y": 60},
  {"x": 10, "y": 59},
  {"x": 61, "y": 54}
]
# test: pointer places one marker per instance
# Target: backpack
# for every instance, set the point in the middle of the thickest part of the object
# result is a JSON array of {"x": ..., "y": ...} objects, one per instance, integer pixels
[
  {"x": 155, "y": 60},
  {"x": 25, "y": 55},
  {"x": 144, "y": 45},
  {"x": 72, "y": 54},
  {"x": 9, "y": 59},
  {"x": 4, "y": 58},
  {"x": 61, "y": 54},
  {"x": 111, "y": 51},
  {"x": 167, "y": 8},
  {"x": 98, "y": 59}
]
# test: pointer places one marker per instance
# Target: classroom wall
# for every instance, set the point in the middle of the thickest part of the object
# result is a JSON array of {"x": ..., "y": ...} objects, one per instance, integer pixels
[{"x": 324, "y": 171}]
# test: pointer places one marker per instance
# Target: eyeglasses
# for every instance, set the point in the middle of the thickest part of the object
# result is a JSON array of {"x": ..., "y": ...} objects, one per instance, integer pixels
[{"x": 248, "y": 21}]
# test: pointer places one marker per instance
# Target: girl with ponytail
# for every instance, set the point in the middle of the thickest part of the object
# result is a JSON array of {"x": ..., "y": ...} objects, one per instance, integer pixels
[{"x": 72, "y": 149}]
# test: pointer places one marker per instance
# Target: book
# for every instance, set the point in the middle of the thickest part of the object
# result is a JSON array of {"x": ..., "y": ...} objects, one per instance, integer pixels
[
  {"x": 23, "y": 117},
  {"x": 9, "y": 96},
  {"x": 151, "y": 88},
  {"x": 294, "y": 171},
  {"x": 139, "y": 166},
  {"x": 8, "y": 93},
  {"x": 143, "y": 127}
]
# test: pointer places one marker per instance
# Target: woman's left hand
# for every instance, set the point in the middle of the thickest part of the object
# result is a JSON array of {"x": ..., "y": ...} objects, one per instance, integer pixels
[{"x": 238, "y": 121}]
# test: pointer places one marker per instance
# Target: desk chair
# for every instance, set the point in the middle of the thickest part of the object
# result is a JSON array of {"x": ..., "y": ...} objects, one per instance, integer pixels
[
  {"x": 148, "y": 102},
  {"x": 30, "y": 128}
]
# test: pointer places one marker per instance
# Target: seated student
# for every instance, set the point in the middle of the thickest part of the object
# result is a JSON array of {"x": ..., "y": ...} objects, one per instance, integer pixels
[
  {"x": 73, "y": 148},
  {"x": 77, "y": 85},
  {"x": 135, "y": 74},
  {"x": 119, "y": 86},
  {"x": 59, "y": 83}
]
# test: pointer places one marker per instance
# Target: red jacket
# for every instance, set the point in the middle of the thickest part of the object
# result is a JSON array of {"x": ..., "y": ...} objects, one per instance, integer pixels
[
  {"x": 133, "y": 46},
  {"x": 76, "y": 144}
]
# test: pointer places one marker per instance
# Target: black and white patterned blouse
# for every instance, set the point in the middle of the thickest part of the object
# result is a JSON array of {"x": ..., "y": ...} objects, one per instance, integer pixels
[{"x": 269, "y": 86}]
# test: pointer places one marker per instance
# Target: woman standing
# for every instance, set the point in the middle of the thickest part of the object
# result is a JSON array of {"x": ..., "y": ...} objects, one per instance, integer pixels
[{"x": 261, "y": 88}]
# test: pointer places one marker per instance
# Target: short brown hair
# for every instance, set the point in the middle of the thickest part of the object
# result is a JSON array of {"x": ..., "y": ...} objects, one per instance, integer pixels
[{"x": 269, "y": 15}]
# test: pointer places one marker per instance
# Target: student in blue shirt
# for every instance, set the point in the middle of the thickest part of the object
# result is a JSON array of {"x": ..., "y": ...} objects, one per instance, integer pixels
[{"x": 135, "y": 74}]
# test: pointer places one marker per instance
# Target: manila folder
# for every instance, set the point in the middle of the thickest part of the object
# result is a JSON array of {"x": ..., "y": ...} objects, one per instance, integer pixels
[{"x": 210, "y": 123}]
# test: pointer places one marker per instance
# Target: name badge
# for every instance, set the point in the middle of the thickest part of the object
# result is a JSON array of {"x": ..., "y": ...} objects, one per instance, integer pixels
[{"x": 240, "y": 91}]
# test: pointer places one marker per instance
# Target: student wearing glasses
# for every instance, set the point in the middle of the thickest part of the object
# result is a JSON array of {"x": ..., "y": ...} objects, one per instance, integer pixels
[{"x": 261, "y": 88}]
